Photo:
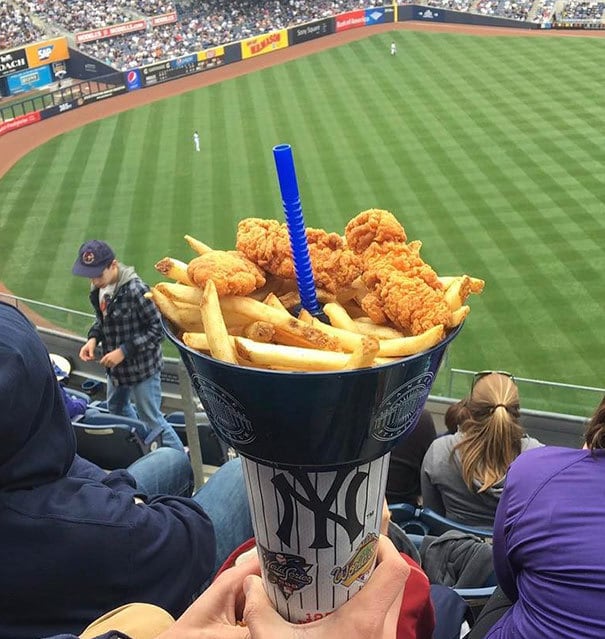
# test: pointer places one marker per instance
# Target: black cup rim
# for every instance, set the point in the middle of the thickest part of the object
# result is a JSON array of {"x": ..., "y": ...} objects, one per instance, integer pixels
[{"x": 270, "y": 373}]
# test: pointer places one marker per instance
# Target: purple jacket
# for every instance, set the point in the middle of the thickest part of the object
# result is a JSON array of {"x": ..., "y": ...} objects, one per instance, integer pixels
[{"x": 549, "y": 544}]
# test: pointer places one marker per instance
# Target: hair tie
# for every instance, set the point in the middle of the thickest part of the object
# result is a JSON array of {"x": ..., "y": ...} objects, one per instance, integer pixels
[{"x": 498, "y": 406}]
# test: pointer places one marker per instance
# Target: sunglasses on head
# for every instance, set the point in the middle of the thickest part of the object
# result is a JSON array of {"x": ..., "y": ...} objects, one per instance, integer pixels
[{"x": 482, "y": 374}]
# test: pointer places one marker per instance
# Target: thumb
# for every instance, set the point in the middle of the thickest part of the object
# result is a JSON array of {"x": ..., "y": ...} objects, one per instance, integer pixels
[{"x": 259, "y": 614}]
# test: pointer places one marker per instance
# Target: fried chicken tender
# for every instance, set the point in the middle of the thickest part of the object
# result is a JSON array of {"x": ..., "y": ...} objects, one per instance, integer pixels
[
  {"x": 402, "y": 287},
  {"x": 373, "y": 226},
  {"x": 231, "y": 272},
  {"x": 267, "y": 244},
  {"x": 411, "y": 303}
]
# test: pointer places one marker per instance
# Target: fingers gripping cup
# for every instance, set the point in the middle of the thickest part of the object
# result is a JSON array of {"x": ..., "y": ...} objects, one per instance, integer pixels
[{"x": 315, "y": 449}]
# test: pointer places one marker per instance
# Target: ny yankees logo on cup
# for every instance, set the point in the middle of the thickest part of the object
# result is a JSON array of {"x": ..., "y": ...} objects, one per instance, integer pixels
[{"x": 321, "y": 508}]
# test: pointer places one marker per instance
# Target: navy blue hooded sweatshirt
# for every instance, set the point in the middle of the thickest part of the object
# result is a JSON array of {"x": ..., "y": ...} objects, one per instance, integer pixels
[{"x": 73, "y": 543}]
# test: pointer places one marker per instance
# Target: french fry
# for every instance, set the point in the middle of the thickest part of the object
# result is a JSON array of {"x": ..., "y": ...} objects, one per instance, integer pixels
[
  {"x": 348, "y": 340},
  {"x": 404, "y": 346},
  {"x": 196, "y": 340},
  {"x": 339, "y": 317},
  {"x": 476, "y": 283},
  {"x": 274, "y": 302},
  {"x": 459, "y": 315},
  {"x": 199, "y": 247},
  {"x": 364, "y": 355},
  {"x": 192, "y": 296},
  {"x": 219, "y": 341},
  {"x": 278, "y": 356},
  {"x": 305, "y": 316},
  {"x": 259, "y": 331},
  {"x": 180, "y": 292},
  {"x": 353, "y": 309},
  {"x": 273, "y": 284},
  {"x": 183, "y": 319},
  {"x": 285, "y": 324},
  {"x": 292, "y": 298},
  {"x": 457, "y": 292},
  {"x": 174, "y": 270},
  {"x": 376, "y": 330}
]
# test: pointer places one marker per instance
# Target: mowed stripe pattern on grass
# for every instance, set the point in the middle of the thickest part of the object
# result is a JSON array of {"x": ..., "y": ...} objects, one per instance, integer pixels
[{"x": 489, "y": 150}]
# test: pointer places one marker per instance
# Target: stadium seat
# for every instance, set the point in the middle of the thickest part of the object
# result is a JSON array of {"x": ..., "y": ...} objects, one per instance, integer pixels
[
  {"x": 79, "y": 394},
  {"x": 418, "y": 522},
  {"x": 424, "y": 521},
  {"x": 116, "y": 444},
  {"x": 214, "y": 451}
]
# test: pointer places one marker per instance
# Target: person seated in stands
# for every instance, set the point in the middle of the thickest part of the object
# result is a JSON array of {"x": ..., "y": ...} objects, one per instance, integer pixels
[
  {"x": 463, "y": 474},
  {"x": 549, "y": 543},
  {"x": 403, "y": 481},
  {"x": 77, "y": 541},
  {"x": 76, "y": 406},
  {"x": 454, "y": 416}
]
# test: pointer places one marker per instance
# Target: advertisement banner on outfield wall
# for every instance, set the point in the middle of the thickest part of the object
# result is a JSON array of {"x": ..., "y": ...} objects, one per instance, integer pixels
[
  {"x": 375, "y": 16},
  {"x": 29, "y": 79},
  {"x": 133, "y": 79},
  {"x": 102, "y": 95},
  {"x": 210, "y": 58},
  {"x": 58, "y": 109},
  {"x": 350, "y": 20},
  {"x": 265, "y": 43},
  {"x": 429, "y": 14},
  {"x": 12, "y": 61},
  {"x": 310, "y": 31},
  {"x": 19, "y": 121},
  {"x": 46, "y": 52},
  {"x": 380, "y": 15}
]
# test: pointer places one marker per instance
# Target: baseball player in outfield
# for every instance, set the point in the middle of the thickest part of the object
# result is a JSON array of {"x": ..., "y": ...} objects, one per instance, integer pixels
[
  {"x": 393, "y": 48},
  {"x": 196, "y": 140}
]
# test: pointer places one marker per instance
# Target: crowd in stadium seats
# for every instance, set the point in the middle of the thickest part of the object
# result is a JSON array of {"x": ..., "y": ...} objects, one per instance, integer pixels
[
  {"x": 16, "y": 27},
  {"x": 582, "y": 11},
  {"x": 215, "y": 22},
  {"x": 211, "y": 24},
  {"x": 78, "y": 15}
]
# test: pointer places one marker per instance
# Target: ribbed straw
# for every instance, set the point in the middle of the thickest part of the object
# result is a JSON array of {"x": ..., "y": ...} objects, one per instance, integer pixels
[{"x": 286, "y": 174}]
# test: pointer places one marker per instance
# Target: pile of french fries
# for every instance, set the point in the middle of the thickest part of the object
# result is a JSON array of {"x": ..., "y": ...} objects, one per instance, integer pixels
[{"x": 260, "y": 330}]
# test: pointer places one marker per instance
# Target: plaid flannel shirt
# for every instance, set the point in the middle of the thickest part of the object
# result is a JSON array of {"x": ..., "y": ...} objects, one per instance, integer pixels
[{"x": 131, "y": 323}]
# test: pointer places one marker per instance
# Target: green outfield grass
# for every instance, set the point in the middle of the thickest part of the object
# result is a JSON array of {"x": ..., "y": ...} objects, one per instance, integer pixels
[{"x": 489, "y": 150}]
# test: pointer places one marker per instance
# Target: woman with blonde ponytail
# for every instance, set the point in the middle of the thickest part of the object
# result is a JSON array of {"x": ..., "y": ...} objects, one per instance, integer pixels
[
  {"x": 548, "y": 545},
  {"x": 463, "y": 473}
]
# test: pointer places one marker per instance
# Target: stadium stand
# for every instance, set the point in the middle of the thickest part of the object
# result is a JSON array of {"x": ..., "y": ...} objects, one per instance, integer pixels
[{"x": 16, "y": 27}]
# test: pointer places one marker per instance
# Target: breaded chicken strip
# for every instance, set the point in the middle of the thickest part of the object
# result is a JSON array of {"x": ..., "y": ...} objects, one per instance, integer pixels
[
  {"x": 373, "y": 226},
  {"x": 411, "y": 303},
  {"x": 402, "y": 287},
  {"x": 267, "y": 244},
  {"x": 231, "y": 272}
]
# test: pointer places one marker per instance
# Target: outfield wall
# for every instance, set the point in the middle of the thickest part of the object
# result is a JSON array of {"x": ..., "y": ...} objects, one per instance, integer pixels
[{"x": 54, "y": 103}]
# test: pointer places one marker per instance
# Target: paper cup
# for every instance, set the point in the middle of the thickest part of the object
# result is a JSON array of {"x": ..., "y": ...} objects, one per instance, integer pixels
[{"x": 315, "y": 450}]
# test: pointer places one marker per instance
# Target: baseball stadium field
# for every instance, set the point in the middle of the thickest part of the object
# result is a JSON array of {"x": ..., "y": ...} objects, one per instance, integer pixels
[{"x": 488, "y": 149}]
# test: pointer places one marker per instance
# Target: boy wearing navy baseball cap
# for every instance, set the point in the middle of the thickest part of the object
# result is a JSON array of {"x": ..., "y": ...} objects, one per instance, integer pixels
[{"x": 129, "y": 330}]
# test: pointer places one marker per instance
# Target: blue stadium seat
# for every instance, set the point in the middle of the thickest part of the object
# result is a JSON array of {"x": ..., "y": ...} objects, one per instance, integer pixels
[
  {"x": 115, "y": 443},
  {"x": 417, "y": 522}
]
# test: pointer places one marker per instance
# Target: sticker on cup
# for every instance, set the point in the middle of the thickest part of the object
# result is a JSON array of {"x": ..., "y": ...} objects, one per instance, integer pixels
[{"x": 359, "y": 567}]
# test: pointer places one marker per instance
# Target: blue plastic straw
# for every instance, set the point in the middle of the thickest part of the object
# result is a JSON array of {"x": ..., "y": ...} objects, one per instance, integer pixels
[{"x": 286, "y": 174}]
